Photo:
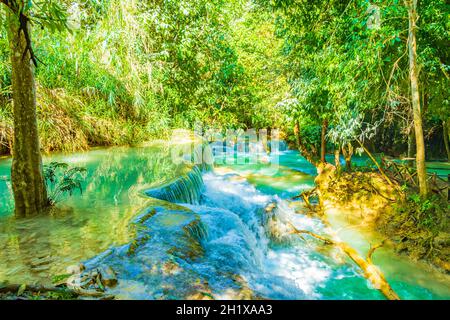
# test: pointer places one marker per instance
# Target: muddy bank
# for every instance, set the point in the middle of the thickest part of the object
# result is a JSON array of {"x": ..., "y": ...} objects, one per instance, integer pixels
[{"x": 413, "y": 227}]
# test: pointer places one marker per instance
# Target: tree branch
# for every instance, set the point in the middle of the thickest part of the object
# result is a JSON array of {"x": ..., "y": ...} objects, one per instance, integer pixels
[{"x": 371, "y": 272}]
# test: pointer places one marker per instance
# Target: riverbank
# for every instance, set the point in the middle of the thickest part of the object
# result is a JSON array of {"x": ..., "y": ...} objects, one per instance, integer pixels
[
  {"x": 413, "y": 227},
  {"x": 71, "y": 121}
]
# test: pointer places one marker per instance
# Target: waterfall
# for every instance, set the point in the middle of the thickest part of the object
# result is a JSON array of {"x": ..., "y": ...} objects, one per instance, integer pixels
[
  {"x": 185, "y": 189},
  {"x": 240, "y": 238},
  {"x": 188, "y": 187},
  {"x": 228, "y": 238}
]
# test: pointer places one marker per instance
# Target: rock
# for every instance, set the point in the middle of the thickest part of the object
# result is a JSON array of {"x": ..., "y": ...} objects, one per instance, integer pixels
[
  {"x": 77, "y": 269},
  {"x": 171, "y": 268},
  {"x": 444, "y": 265},
  {"x": 86, "y": 282},
  {"x": 60, "y": 280},
  {"x": 37, "y": 262},
  {"x": 41, "y": 268},
  {"x": 108, "y": 276}
]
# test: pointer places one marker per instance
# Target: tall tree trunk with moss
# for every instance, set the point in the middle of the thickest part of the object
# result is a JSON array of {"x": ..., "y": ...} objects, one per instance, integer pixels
[
  {"x": 415, "y": 98},
  {"x": 323, "y": 141},
  {"x": 411, "y": 144},
  {"x": 28, "y": 185},
  {"x": 445, "y": 125}
]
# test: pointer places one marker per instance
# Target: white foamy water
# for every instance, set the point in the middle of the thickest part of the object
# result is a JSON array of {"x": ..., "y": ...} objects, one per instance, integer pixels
[{"x": 237, "y": 242}]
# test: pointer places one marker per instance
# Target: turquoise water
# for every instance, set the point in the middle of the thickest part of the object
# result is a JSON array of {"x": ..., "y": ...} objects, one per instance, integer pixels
[
  {"x": 34, "y": 249},
  {"x": 217, "y": 238},
  {"x": 410, "y": 280}
]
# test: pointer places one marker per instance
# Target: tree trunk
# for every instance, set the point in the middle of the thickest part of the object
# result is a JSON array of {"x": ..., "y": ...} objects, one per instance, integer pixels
[
  {"x": 370, "y": 271},
  {"x": 348, "y": 156},
  {"x": 369, "y": 154},
  {"x": 28, "y": 185},
  {"x": 337, "y": 158},
  {"x": 323, "y": 142},
  {"x": 411, "y": 144},
  {"x": 301, "y": 146},
  {"x": 411, "y": 147},
  {"x": 415, "y": 97},
  {"x": 447, "y": 146}
]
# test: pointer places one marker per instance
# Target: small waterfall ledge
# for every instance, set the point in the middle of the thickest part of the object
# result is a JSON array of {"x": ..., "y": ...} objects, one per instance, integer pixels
[
  {"x": 188, "y": 187},
  {"x": 185, "y": 189}
]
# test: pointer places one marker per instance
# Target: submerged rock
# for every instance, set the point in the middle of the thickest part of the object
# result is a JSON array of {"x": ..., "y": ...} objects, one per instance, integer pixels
[
  {"x": 108, "y": 276},
  {"x": 155, "y": 265}
]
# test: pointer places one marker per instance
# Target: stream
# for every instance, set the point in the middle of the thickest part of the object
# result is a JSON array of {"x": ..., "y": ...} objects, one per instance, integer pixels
[{"x": 172, "y": 231}]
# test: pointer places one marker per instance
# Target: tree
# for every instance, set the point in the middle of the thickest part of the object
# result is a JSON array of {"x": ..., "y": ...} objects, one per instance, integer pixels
[
  {"x": 30, "y": 195},
  {"x": 352, "y": 58},
  {"x": 445, "y": 126},
  {"x": 415, "y": 98},
  {"x": 323, "y": 141}
]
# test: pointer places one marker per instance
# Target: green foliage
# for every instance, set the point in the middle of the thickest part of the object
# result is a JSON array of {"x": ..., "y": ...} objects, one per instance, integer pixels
[
  {"x": 311, "y": 137},
  {"x": 140, "y": 68},
  {"x": 60, "y": 180},
  {"x": 426, "y": 212},
  {"x": 5, "y": 69},
  {"x": 119, "y": 72},
  {"x": 346, "y": 70},
  {"x": 60, "y": 277},
  {"x": 59, "y": 295},
  {"x": 47, "y": 14},
  {"x": 419, "y": 228}
]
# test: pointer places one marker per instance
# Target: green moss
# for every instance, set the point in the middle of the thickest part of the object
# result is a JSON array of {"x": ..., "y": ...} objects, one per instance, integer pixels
[
  {"x": 136, "y": 243},
  {"x": 60, "y": 277}
]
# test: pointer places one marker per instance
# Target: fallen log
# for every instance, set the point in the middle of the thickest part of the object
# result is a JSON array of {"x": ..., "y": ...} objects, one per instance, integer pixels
[
  {"x": 371, "y": 272},
  {"x": 14, "y": 288},
  {"x": 18, "y": 289}
]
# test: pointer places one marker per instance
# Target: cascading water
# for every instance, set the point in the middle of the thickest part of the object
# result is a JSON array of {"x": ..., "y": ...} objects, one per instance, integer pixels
[
  {"x": 188, "y": 187},
  {"x": 219, "y": 233},
  {"x": 185, "y": 189},
  {"x": 220, "y": 240},
  {"x": 239, "y": 242}
]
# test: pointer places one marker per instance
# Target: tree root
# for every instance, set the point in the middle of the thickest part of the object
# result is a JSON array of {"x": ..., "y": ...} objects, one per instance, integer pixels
[
  {"x": 305, "y": 195},
  {"x": 372, "y": 250},
  {"x": 380, "y": 169},
  {"x": 371, "y": 272},
  {"x": 16, "y": 288}
]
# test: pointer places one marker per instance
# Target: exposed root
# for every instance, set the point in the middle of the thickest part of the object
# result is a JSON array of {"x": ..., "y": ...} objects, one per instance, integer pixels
[
  {"x": 305, "y": 196},
  {"x": 371, "y": 272},
  {"x": 372, "y": 250},
  {"x": 19, "y": 290}
]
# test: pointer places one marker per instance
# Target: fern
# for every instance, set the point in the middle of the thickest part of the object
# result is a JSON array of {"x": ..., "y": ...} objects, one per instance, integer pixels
[{"x": 61, "y": 180}]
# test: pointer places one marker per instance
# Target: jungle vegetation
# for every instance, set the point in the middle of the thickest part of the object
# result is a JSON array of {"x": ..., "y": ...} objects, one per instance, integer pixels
[{"x": 343, "y": 76}]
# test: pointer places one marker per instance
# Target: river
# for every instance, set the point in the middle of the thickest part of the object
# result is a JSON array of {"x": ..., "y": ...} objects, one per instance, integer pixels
[{"x": 209, "y": 232}]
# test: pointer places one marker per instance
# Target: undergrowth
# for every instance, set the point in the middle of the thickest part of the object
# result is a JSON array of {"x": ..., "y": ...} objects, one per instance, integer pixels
[
  {"x": 71, "y": 122},
  {"x": 420, "y": 228}
]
